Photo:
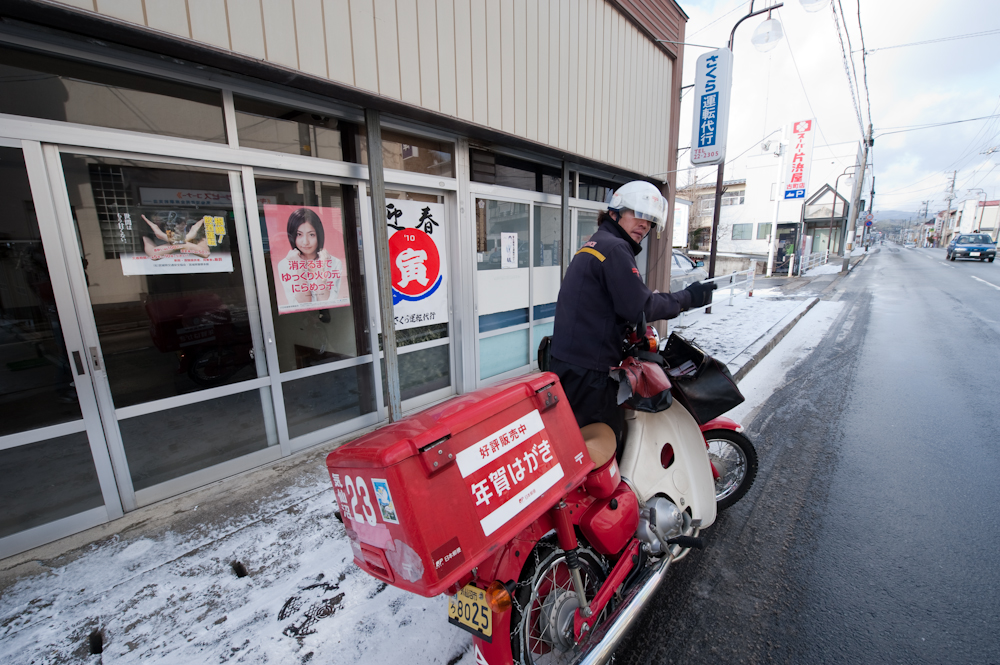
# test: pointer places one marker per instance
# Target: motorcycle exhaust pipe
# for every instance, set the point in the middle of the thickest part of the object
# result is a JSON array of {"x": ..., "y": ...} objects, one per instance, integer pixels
[{"x": 600, "y": 646}]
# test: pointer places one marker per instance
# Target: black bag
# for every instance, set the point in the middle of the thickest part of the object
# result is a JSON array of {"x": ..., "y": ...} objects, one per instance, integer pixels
[
  {"x": 545, "y": 353},
  {"x": 702, "y": 384}
]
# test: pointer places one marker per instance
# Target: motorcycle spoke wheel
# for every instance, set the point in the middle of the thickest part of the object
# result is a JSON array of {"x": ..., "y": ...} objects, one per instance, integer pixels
[
  {"x": 545, "y": 603},
  {"x": 735, "y": 460}
]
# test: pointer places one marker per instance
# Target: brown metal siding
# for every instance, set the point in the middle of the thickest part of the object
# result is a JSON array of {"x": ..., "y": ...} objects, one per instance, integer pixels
[{"x": 660, "y": 19}]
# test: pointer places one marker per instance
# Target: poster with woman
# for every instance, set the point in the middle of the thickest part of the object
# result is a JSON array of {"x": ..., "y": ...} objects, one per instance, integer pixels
[{"x": 307, "y": 256}]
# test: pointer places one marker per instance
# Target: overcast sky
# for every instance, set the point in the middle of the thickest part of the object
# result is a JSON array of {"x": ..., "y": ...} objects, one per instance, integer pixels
[{"x": 908, "y": 86}]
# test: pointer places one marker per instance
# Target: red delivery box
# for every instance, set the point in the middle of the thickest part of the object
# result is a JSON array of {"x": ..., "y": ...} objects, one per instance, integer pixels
[{"x": 428, "y": 498}]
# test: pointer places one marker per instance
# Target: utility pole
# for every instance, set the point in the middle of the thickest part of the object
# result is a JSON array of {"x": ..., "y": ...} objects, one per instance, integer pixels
[
  {"x": 951, "y": 197},
  {"x": 923, "y": 220},
  {"x": 856, "y": 194}
]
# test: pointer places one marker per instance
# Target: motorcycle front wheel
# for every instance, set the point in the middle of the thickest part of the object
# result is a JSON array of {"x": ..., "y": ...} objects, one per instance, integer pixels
[
  {"x": 735, "y": 460},
  {"x": 541, "y": 625}
]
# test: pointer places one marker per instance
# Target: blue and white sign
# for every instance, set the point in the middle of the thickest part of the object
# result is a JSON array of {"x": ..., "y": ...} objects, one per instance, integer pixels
[{"x": 713, "y": 84}]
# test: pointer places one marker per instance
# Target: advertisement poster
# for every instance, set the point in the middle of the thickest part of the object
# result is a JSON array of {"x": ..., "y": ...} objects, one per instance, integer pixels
[
  {"x": 307, "y": 256},
  {"x": 173, "y": 241},
  {"x": 417, "y": 255}
]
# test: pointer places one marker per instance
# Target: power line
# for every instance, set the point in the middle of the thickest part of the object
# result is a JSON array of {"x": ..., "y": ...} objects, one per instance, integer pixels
[
  {"x": 938, "y": 124},
  {"x": 819, "y": 125},
  {"x": 864, "y": 65},
  {"x": 850, "y": 49},
  {"x": 847, "y": 68},
  {"x": 930, "y": 41}
]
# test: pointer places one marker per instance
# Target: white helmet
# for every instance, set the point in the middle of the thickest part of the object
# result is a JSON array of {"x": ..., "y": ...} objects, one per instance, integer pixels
[{"x": 643, "y": 199}]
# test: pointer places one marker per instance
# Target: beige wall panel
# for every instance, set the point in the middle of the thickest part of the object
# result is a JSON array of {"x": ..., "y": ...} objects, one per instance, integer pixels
[
  {"x": 209, "y": 23},
  {"x": 279, "y": 33},
  {"x": 542, "y": 66},
  {"x": 311, "y": 37},
  {"x": 572, "y": 117},
  {"x": 246, "y": 27},
  {"x": 426, "y": 29},
  {"x": 553, "y": 111},
  {"x": 363, "y": 40},
  {"x": 464, "y": 66},
  {"x": 494, "y": 66},
  {"x": 166, "y": 15},
  {"x": 126, "y": 10},
  {"x": 603, "y": 111},
  {"x": 409, "y": 51},
  {"x": 387, "y": 48},
  {"x": 339, "y": 50},
  {"x": 563, "y": 87},
  {"x": 643, "y": 85},
  {"x": 480, "y": 71},
  {"x": 614, "y": 89},
  {"x": 593, "y": 72},
  {"x": 521, "y": 68},
  {"x": 508, "y": 93},
  {"x": 89, "y": 5},
  {"x": 587, "y": 65},
  {"x": 531, "y": 70},
  {"x": 447, "y": 75}
]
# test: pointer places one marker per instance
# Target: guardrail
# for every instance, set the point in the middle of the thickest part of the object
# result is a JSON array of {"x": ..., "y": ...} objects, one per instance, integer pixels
[
  {"x": 814, "y": 259},
  {"x": 737, "y": 282}
]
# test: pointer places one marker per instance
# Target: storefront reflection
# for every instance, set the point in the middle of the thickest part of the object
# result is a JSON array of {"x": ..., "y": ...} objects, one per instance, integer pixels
[{"x": 36, "y": 382}]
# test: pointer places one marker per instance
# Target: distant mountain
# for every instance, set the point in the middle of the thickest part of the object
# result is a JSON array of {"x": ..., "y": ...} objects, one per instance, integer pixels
[{"x": 901, "y": 215}]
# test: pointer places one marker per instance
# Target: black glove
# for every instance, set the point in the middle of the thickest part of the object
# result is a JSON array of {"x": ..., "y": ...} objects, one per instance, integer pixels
[{"x": 701, "y": 293}]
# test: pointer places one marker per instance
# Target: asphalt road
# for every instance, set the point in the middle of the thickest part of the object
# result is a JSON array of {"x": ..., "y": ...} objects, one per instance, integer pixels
[{"x": 873, "y": 532}]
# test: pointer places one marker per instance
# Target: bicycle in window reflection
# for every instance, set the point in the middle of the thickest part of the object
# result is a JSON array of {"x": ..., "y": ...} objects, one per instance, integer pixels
[{"x": 212, "y": 340}]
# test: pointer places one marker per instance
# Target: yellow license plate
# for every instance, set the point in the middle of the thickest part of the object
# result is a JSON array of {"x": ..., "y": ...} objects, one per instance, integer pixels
[{"x": 468, "y": 609}]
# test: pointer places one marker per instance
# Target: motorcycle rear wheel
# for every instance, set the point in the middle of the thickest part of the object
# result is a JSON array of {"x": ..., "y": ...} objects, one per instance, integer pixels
[
  {"x": 735, "y": 459},
  {"x": 545, "y": 598}
]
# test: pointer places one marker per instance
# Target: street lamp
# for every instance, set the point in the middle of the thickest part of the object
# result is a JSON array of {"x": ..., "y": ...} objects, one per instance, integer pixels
[{"x": 763, "y": 40}]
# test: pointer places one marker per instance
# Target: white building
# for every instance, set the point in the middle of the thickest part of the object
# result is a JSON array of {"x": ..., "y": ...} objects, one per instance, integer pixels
[{"x": 171, "y": 313}]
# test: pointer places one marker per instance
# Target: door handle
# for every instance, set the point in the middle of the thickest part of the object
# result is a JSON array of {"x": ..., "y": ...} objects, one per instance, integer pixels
[
  {"x": 78, "y": 361},
  {"x": 96, "y": 358}
]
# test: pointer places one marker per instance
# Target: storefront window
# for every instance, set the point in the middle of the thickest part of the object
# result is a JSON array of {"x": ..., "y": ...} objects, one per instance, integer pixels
[
  {"x": 586, "y": 226},
  {"x": 267, "y": 126},
  {"x": 420, "y": 291},
  {"x": 36, "y": 380},
  {"x": 174, "y": 442},
  {"x": 596, "y": 189},
  {"x": 503, "y": 285},
  {"x": 403, "y": 152},
  {"x": 41, "y": 86},
  {"x": 313, "y": 249},
  {"x": 45, "y": 481},
  {"x": 546, "y": 273},
  {"x": 493, "y": 169},
  {"x": 165, "y": 276}
]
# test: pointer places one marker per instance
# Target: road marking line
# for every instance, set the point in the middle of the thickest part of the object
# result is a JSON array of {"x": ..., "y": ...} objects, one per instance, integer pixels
[
  {"x": 985, "y": 282},
  {"x": 944, "y": 263}
]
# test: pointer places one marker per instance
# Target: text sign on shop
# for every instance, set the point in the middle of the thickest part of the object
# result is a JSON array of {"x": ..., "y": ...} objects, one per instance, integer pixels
[
  {"x": 713, "y": 82},
  {"x": 796, "y": 176}
]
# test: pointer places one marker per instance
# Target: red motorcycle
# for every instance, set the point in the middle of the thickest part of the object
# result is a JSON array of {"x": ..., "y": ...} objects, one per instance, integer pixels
[{"x": 492, "y": 498}]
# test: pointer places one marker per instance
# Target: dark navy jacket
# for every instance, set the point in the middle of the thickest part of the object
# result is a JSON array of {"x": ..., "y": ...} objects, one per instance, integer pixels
[{"x": 601, "y": 294}]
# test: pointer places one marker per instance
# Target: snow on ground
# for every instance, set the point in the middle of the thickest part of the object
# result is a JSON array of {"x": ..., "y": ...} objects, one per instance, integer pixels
[
  {"x": 173, "y": 596},
  {"x": 825, "y": 269},
  {"x": 176, "y": 599},
  {"x": 730, "y": 329}
]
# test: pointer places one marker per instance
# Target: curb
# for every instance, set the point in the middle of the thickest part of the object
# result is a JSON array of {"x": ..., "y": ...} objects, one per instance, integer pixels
[{"x": 754, "y": 353}]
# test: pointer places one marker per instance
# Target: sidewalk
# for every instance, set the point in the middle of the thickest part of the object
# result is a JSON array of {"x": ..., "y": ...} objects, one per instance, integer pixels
[{"x": 161, "y": 582}]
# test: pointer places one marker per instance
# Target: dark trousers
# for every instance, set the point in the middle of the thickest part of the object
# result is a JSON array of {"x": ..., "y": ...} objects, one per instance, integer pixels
[{"x": 592, "y": 395}]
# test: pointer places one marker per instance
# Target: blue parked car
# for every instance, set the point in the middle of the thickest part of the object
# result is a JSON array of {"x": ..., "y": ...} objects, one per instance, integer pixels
[{"x": 972, "y": 246}]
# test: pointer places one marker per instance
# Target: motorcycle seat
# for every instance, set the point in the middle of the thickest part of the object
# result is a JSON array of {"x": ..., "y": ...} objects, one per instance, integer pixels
[{"x": 600, "y": 441}]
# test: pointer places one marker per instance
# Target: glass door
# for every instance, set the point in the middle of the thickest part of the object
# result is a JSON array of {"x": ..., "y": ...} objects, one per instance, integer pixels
[
  {"x": 419, "y": 230},
  {"x": 55, "y": 473},
  {"x": 503, "y": 288},
  {"x": 311, "y": 271},
  {"x": 165, "y": 295}
]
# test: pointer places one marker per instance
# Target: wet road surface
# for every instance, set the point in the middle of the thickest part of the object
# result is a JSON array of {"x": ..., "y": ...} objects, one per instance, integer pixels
[{"x": 872, "y": 533}]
